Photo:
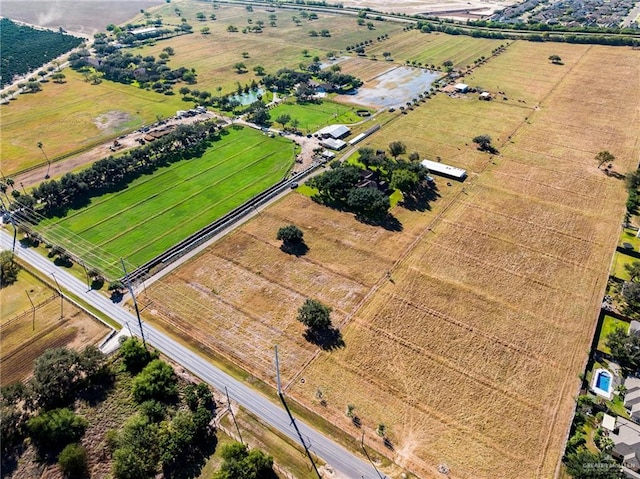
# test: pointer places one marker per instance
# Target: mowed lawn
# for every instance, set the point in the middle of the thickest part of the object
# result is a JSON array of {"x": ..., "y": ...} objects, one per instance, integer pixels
[
  {"x": 313, "y": 116},
  {"x": 157, "y": 211},
  {"x": 72, "y": 116}
]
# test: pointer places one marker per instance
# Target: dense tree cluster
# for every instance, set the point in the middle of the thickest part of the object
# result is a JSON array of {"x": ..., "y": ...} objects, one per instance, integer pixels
[
  {"x": 112, "y": 173},
  {"x": 25, "y": 48},
  {"x": 125, "y": 67},
  {"x": 40, "y": 408},
  {"x": 339, "y": 186},
  {"x": 171, "y": 432}
]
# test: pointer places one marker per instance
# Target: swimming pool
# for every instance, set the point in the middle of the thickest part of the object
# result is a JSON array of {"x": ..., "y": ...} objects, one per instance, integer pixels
[{"x": 602, "y": 383}]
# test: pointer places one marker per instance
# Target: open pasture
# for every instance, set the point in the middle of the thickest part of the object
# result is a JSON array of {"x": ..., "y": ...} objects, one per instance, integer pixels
[
  {"x": 245, "y": 287},
  {"x": 466, "y": 331},
  {"x": 434, "y": 48},
  {"x": 73, "y": 116},
  {"x": 493, "y": 311},
  {"x": 444, "y": 127},
  {"x": 214, "y": 55},
  {"x": 313, "y": 116},
  {"x": 156, "y": 211},
  {"x": 23, "y": 338}
]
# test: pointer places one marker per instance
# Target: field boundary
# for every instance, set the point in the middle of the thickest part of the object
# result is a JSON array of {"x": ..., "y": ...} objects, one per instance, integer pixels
[
  {"x": 19, "y": 316},
  {"x": 204, "y": 234}
]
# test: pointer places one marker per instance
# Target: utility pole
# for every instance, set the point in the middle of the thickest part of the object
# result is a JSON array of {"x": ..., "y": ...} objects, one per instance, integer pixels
[
  {"x": 61, "y": 297},
  {"x": 86, "y": 273},
  {"x": 135, "y": 303},
  {"x": 232, "y": 415},
  {"x": 33, "y": 311},
  {"x": 293, "y": 421}
]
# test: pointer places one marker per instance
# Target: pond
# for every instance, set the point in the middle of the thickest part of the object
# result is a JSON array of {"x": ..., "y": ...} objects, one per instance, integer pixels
[
  {"x": 393, "y": 88},
  {"x": 248, "y": 98}
]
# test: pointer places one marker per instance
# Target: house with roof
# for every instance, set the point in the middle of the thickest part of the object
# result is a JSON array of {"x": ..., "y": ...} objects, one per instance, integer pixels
[
  {"x": 632, "y": 397},
  {"x": 626, "y": 449}
]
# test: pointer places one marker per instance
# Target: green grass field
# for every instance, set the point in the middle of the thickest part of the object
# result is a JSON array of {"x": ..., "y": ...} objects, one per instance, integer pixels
[
  {"x": 314, "y": 116},
  {"x": 74, "y": 115},
  {"x": 609, "y": 324},
  {"x": 435, "y": 48},
  {"x": 157, "y": 211}
]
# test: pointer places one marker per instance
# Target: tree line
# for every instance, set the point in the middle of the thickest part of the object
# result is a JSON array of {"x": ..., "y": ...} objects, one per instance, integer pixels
[
  {"x": 25, "y": 48},
  {"x": 440, "y": 26},
  {"x": 74, "y": 190}
]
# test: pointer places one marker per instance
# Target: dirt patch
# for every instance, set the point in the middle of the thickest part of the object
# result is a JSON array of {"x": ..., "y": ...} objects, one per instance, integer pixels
[{"x": 111, "y": 120}]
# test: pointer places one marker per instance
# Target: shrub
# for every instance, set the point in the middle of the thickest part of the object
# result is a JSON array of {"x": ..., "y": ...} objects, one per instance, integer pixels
[{"x": 73, "y": 461}]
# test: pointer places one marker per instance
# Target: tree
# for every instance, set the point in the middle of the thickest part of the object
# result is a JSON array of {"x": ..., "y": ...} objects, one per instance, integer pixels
[
  {"x": 134, "y": 356},
  {"x": 290, "y": 235},
  {"x": 367, "y": 156},
  {"x": 241, "y": 463},
  {"x": 56, "y": 377},
  {"x": 397, "y": 148},
  {"x": 52, "y": 430},
  {"x": 625, "y": 348},
  {"x": 8, "y": 269},
  {"x": 633, "y": 269},
  {"x": 404, "y": 180},
  {"x": 484, "y": 143},
  {"x": 205, "y": 30},
  {"x": 315, "y": 315},
  {"x": 631, "y": 294},
  {"x": 73, "y": 461},
  {"x": 368, "y": 202},
  {"x": 580, "y": 465},
  {"x": 604, "y": 157},
  {"x": 156, "y": 381},
  {"x": 259, "y": 115},
  {"x": 259, "y": 70},
  {"x": 240, "y": 67},
  {"x": 555, "y": 59},
  {"x": 283, "y": 119}
]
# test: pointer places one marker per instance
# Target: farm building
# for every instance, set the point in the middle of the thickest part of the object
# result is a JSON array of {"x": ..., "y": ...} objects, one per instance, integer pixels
[
  {"x": 485, "y": 95},
  {"x": 445, "y": 170},
  {"x": 328, "y": 155},
  {"x": 143, "y": 31},
  {"x": 334, "y": 131},
  {"x": 461, "y": 87},
  {"x": 333, "y": 144}
]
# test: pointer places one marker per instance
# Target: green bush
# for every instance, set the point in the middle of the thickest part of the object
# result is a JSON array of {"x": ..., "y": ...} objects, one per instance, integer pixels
[
  {"x": 52, "y": 430},
  {"x": 73, "y": 461},
  {"x": 156, "y": 381}
]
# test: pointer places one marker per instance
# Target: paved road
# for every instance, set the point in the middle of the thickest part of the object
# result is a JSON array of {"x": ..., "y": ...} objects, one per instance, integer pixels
[{"x": 341, "y": 460}]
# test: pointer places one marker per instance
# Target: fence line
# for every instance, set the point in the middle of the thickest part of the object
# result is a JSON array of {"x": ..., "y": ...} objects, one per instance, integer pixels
[{"x": 27, "y": 312}]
